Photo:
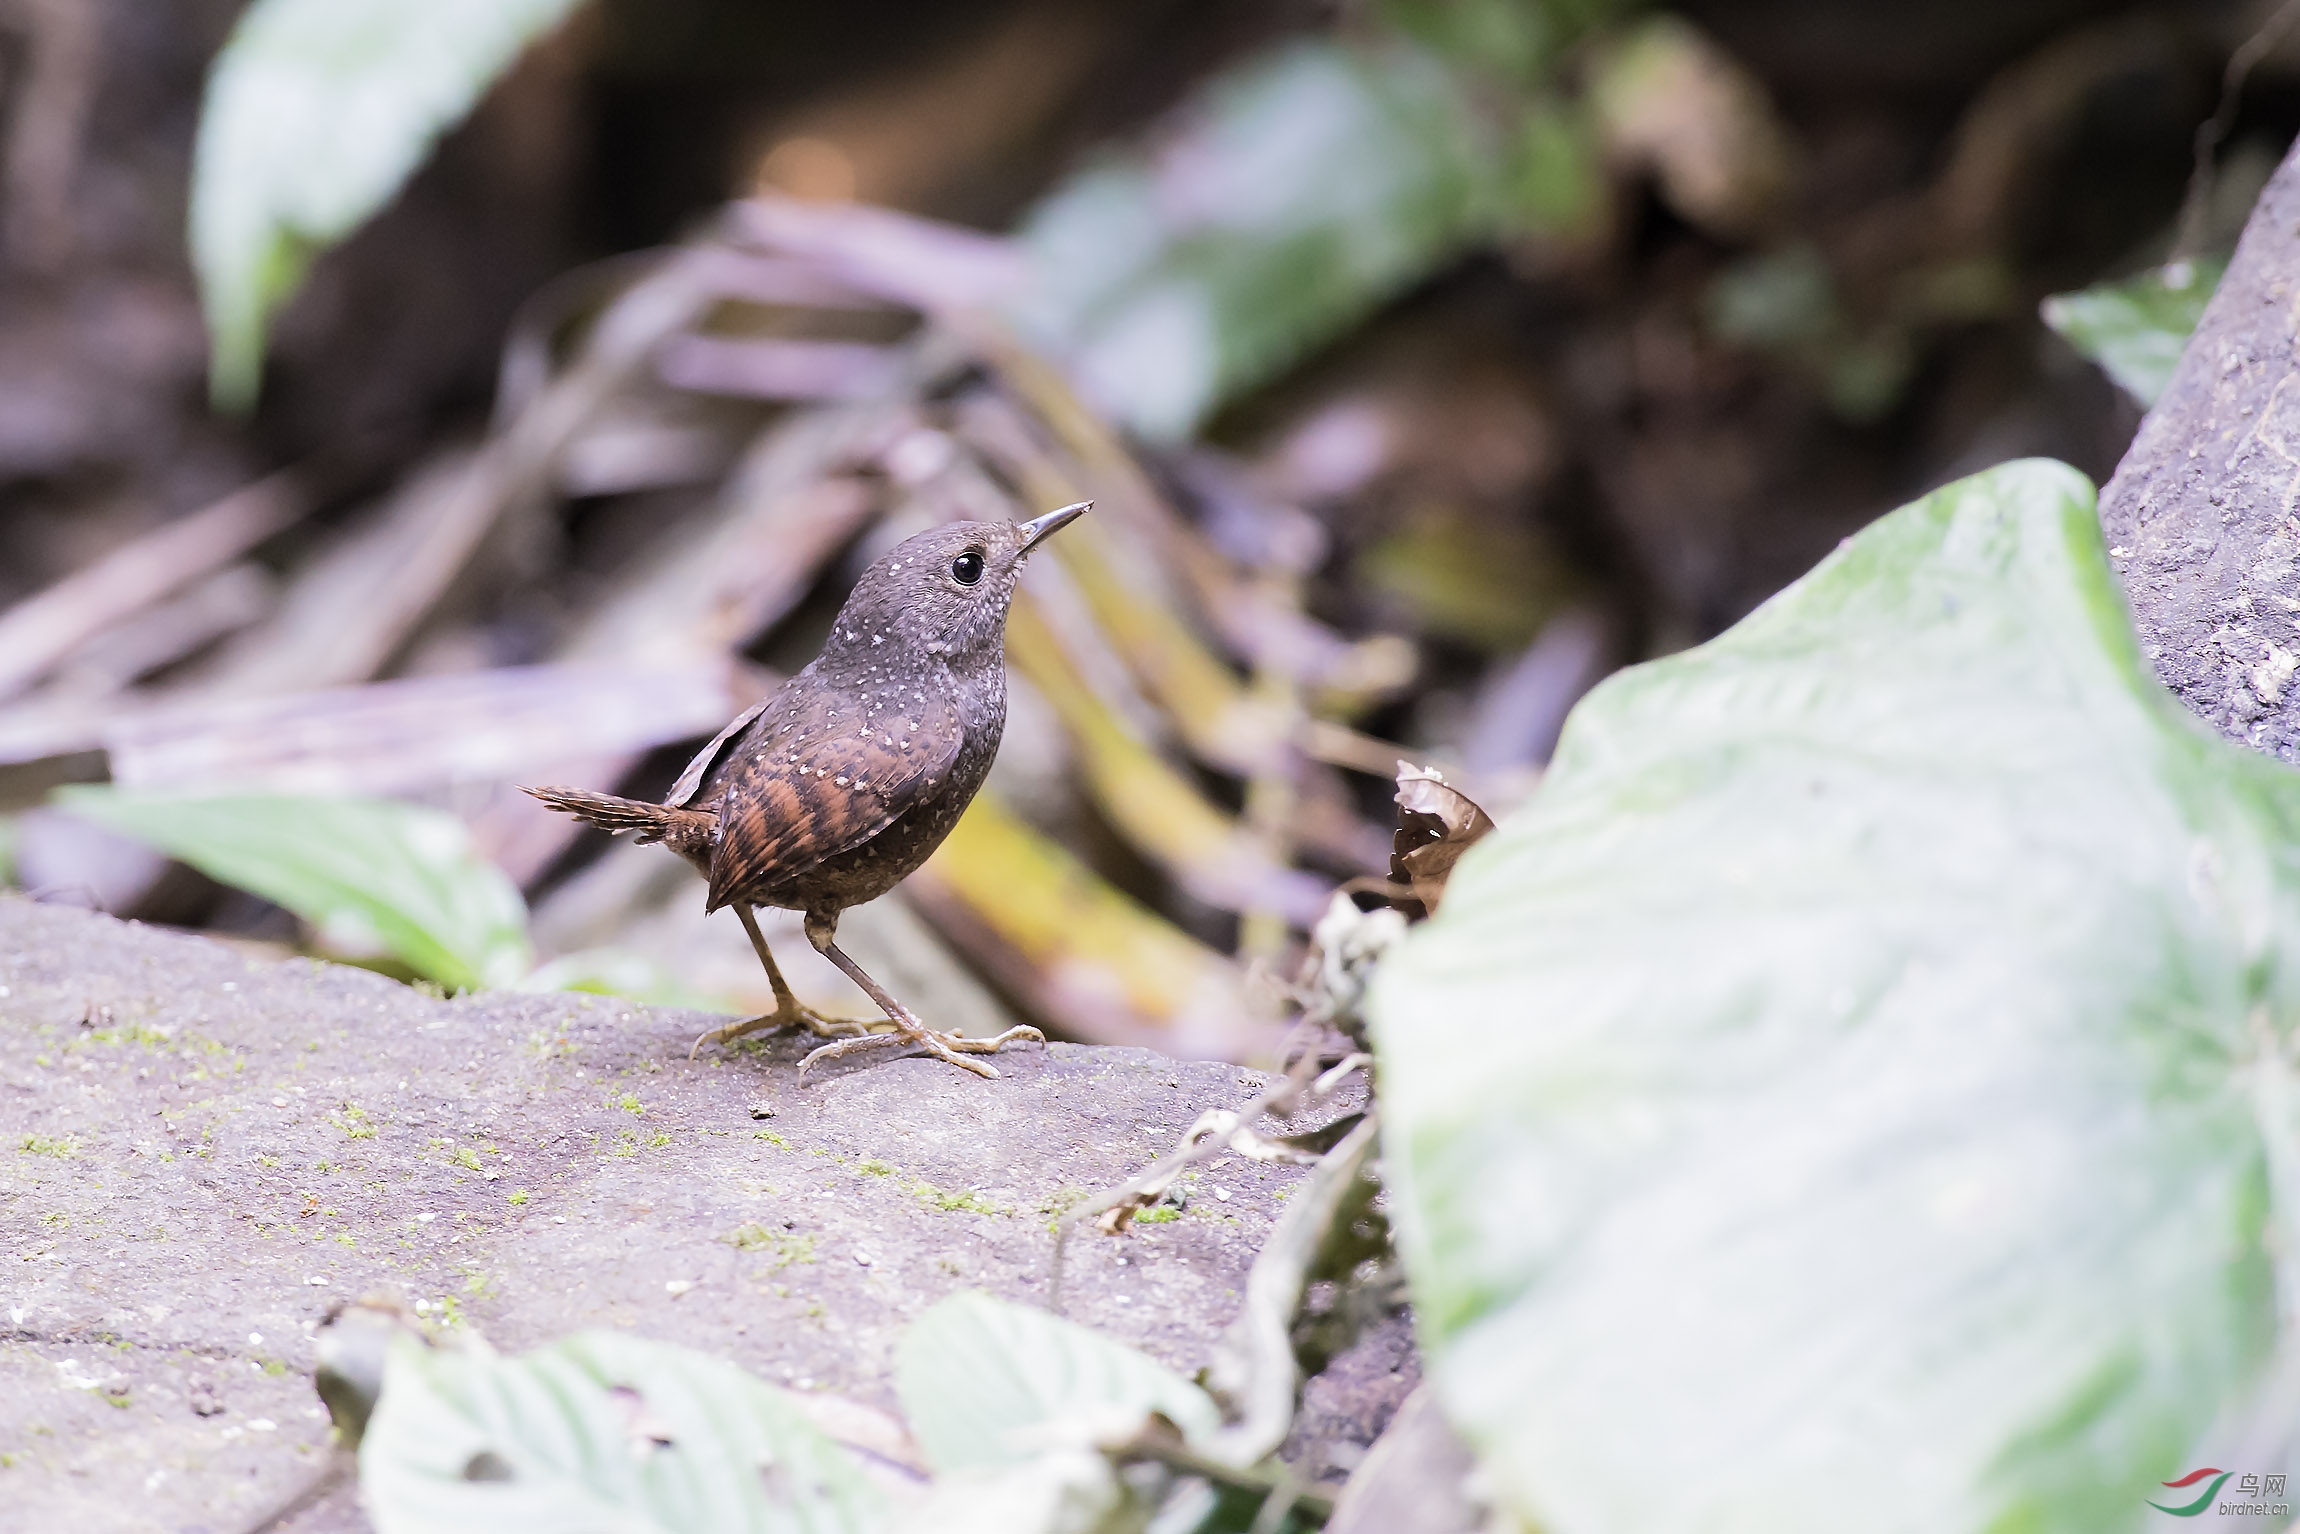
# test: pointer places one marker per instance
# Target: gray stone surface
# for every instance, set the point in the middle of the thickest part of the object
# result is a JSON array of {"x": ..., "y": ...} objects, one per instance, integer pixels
[
  {"x": 2201, "y": 514},
  {"x": 200, "y": 1152}
]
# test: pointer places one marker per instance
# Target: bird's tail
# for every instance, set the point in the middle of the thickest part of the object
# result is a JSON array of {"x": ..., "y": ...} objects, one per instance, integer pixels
[{"x": 653, "y": 822}]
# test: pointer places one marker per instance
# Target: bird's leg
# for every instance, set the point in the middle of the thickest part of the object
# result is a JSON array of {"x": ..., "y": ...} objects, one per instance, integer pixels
[
  {"x": 910, "y": 1031},
  {"x": 789, "y": 1011},
  {"x": 787, "y": 1005}
]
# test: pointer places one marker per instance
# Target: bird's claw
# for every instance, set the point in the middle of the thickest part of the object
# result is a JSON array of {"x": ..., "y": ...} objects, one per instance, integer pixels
[
  {"x": 950, "y": 1047},
  {"x": 791, "y": 1016},
  {"x": 836, "y": 1027},
  {"x": 1016, "y": 1034}
]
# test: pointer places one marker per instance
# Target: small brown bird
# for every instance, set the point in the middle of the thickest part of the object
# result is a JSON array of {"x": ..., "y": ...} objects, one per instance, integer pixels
[{"x": 836, "y": 787}]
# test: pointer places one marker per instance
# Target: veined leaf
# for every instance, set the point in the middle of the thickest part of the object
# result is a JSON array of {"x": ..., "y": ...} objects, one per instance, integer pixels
[
  {"x": 986, "y": 1383},
  {"x": 2137, "y": 327},
  {"x": 599, "y": 1434},
  {"x": 316, "y": 112},
  {"x": 1862, "y": 1077},
  {"x": 368, "y": 874}
]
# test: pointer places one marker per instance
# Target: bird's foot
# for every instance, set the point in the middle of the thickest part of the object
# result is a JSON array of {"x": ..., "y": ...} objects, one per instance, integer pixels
[
  {"x": 791, "y": 1014},
  {"x": 951, "y": 1047}
]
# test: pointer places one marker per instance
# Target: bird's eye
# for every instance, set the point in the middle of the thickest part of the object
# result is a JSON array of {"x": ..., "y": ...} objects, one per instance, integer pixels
[{"x": 967, "y": 568}]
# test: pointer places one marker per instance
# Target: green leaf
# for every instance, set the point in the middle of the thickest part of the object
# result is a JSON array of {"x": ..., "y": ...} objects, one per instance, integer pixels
[
  {"x": 1512, "y": 39},
  {"x": 316, "y": 112},
  {"x": 369, "y": 874},
  {"x": 599, "y": 1434},
  {"x": 2136, "y": 328},
  {"x": 1297, "y": 193},
  {"x": 1294, "y": 194},
  {"x": 987, "y": 1383},
  {"x": 1556, "y": 183},
  {"x": 1861, "y": 1077}
]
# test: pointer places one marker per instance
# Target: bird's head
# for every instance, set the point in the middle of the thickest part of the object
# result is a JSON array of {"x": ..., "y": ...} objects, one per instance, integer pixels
[{"x": 944, "y": 592}]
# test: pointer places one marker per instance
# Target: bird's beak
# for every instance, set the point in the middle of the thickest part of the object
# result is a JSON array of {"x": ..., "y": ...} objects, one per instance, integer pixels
[{"x": 1035, "y": 530}]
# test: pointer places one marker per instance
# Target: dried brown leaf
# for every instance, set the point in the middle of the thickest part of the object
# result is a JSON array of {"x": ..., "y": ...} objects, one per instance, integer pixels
[{"x": 1437, "y": 823}]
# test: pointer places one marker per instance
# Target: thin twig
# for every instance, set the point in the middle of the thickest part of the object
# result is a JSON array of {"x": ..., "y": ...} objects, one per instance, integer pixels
[
  {"x": 1159, "y": 1444},
  {"x": 1284, "y": 1497},
  {"x": 43, "y": 629},
  {"x": 529, "y": 352},
  {"x": 417, "y": 732},
  {"x": 517, "y": 462},
  {"x": 934, "y": 267},
  {"x": 775, "y": 369},
  {"x": 2214, "y": 129}
]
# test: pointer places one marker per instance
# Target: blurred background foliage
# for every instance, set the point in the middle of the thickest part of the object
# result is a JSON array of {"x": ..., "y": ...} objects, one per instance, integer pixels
[{"x": 562, "y": 363}]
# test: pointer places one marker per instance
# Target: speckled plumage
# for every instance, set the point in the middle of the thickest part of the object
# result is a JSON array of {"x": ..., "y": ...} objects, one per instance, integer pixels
[{"x": 837, "y": 787}]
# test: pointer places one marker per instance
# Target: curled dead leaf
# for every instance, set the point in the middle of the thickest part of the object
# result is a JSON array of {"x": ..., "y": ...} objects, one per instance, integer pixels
[{"x": 1437, "y": 823}]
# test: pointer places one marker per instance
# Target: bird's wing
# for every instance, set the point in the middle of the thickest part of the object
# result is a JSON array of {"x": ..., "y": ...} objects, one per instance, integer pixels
[
  {"x": 831, "y": 771},
  {"x": 711, "y": 755}
]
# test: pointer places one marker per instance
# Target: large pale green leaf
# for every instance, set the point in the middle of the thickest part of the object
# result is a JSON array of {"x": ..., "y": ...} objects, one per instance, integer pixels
[
  {"x": 1856, "y": 1090},
  {"x": 2137, "y": 327},
  {"x": 316, "y": 112},
  {"x": 599, "y": 1434},
  {"x": 369, "y": 874},
  {"x": 987, "y": 1383}
]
